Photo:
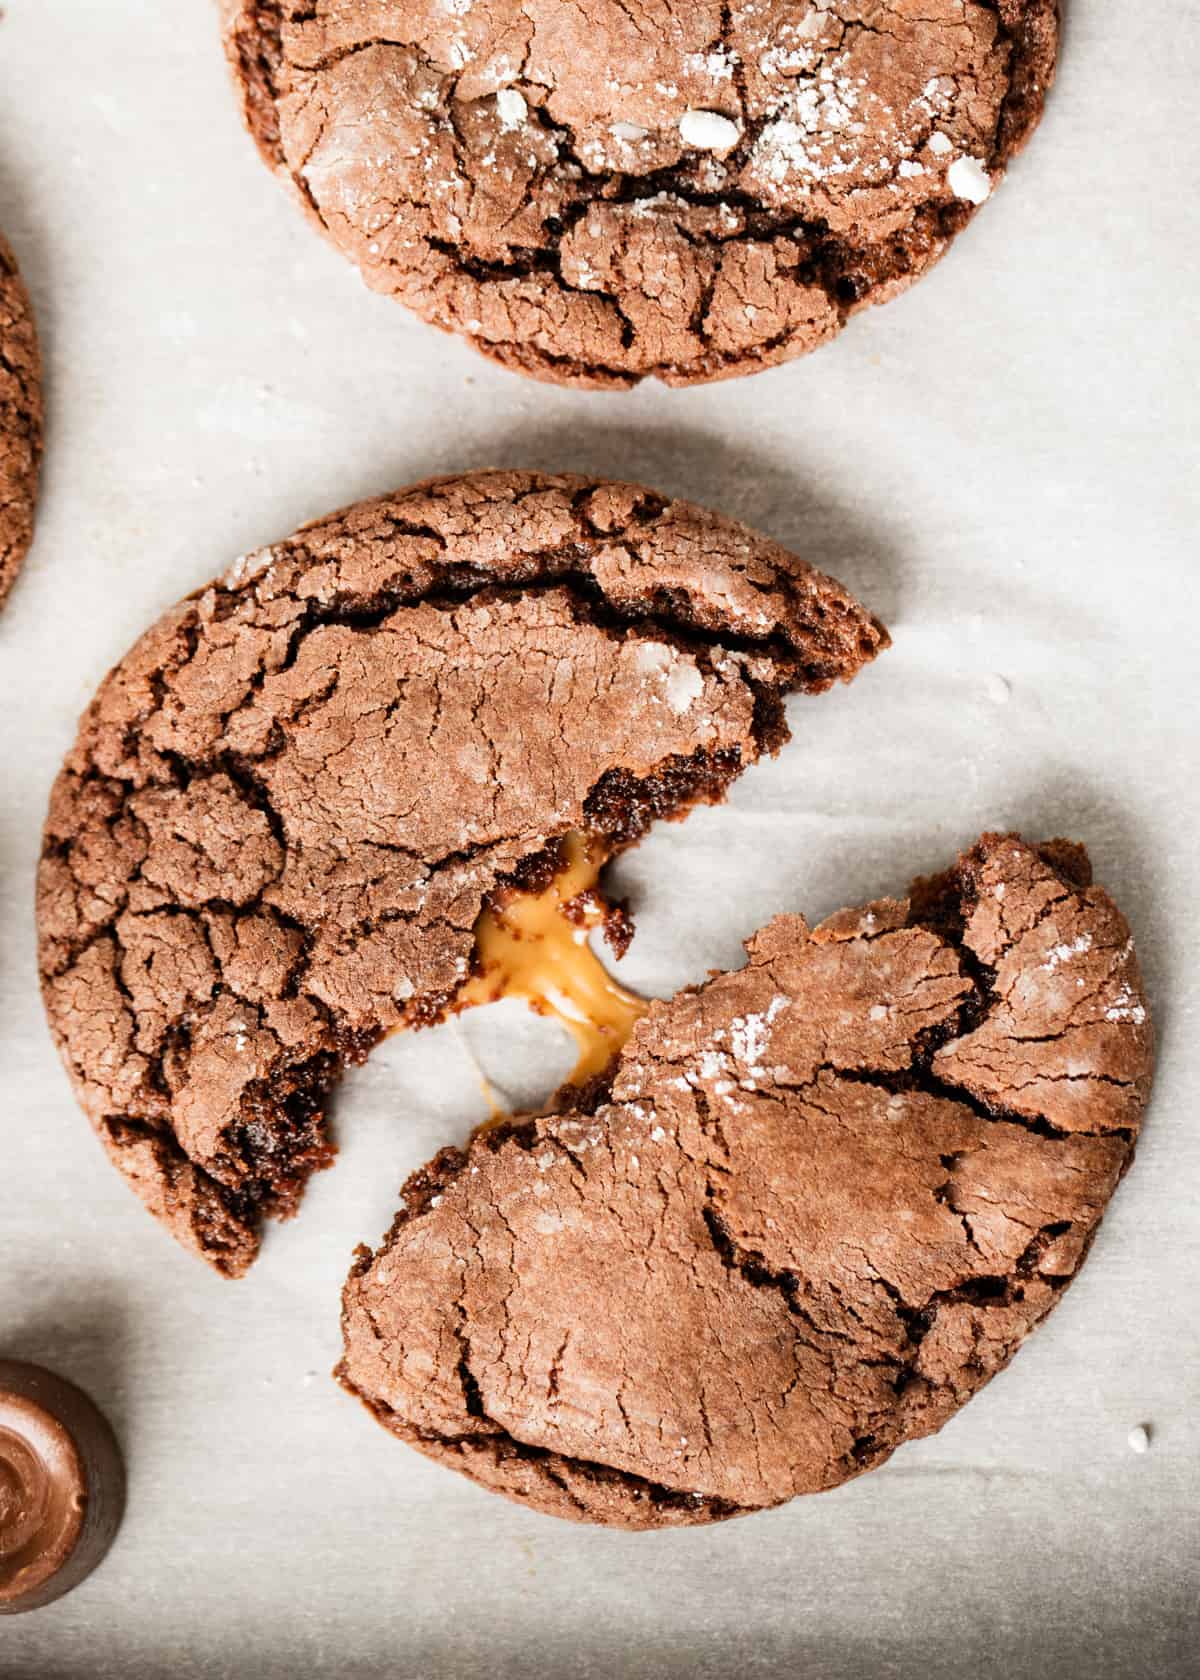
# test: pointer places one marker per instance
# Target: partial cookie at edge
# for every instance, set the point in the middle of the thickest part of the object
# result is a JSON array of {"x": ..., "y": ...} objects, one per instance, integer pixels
[{"x": 20, "y": 420}]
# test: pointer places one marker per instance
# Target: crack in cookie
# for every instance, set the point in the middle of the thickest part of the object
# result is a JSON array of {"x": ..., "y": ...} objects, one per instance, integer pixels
[
  {"x": 595, "y": 192},
  {"x": 289, "y": 804},
  {"x": 815, "y": 1205}
]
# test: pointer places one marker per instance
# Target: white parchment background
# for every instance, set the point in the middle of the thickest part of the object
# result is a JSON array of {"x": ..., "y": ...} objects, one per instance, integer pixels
[{"x": 1003, "y": 465}]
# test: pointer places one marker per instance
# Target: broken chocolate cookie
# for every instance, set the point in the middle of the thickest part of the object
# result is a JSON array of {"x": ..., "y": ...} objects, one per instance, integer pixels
[
  {"x": 817, "y": 1204},
  {"x": 289, "y": 805},
  {"x": 597, "y": 191},
  {"x": 20, "y": 421}
]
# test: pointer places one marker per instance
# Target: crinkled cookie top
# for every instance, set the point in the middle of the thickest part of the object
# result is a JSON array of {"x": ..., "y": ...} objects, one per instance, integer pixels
[
  {"x": 287, "y": 805},
  {"x": 824, "y": 1198},
  {"x": 597, "y": 190}
]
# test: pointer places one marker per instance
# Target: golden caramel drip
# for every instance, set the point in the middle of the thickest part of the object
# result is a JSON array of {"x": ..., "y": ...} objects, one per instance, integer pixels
[{"x": 534, "y": 945}]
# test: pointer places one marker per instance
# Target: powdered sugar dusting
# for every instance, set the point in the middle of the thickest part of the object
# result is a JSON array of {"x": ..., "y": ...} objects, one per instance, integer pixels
[
  {"x": 680, "y": 678},
  {"x": 247, "y": 566},
  {"x": 719, "y": 63},
  {"x": 1125, "y": 1007},
  {"x": 1059, "y": 954},
  {"x": 511, "y": 109},
  {"x": 685, "y": 685},
  {"x": 812, "y": 132}
]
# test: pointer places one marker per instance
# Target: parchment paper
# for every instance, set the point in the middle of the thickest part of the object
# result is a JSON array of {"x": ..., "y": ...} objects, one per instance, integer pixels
[{"x": 1003, "y": 465}]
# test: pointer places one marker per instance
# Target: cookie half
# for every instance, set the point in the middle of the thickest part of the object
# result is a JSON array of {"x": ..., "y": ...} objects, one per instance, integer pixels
[
  {"x": 592, "y": 195},
  {"x": 288, "y": 805},
  {"x": 20, "y": 421},
  {"x": 819, "y": 1203}
]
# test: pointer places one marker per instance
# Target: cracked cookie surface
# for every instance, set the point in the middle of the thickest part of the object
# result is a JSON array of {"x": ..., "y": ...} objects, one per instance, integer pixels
[
  {"x": 594, "y": 191},
  {"x": 20, "y": 421},
  {"x": 288, "y": 804},
  {"x": 821, "y": 1201}
]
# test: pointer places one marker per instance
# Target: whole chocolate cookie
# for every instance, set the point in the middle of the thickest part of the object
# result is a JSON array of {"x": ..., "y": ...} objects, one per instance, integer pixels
[
  {"x": 593, "y": 192},
  {"x": 819, "y": 1202},
  {"x": 20, "y": 421},
  {"x": 289, "y": 803}
]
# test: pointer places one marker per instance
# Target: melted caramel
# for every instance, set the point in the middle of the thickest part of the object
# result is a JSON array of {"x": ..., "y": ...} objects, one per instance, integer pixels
[{"x": 534, "y": 945}]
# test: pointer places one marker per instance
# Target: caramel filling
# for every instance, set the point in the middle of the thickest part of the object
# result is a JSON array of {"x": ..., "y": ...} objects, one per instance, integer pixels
[{"x": 534, "y": 945}]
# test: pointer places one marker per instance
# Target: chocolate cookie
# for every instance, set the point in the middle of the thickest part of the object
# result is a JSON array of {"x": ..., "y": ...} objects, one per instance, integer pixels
[
  {"x": 20, "y": 421},
  {"x": 288, "y": 805},
  {"x": 818, "y": 1203},
  {"x": 596, "y": 192}
]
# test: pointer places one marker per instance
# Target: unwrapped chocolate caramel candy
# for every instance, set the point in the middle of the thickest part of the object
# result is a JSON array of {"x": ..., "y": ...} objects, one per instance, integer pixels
[{"x": 62, "y": 1486}]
